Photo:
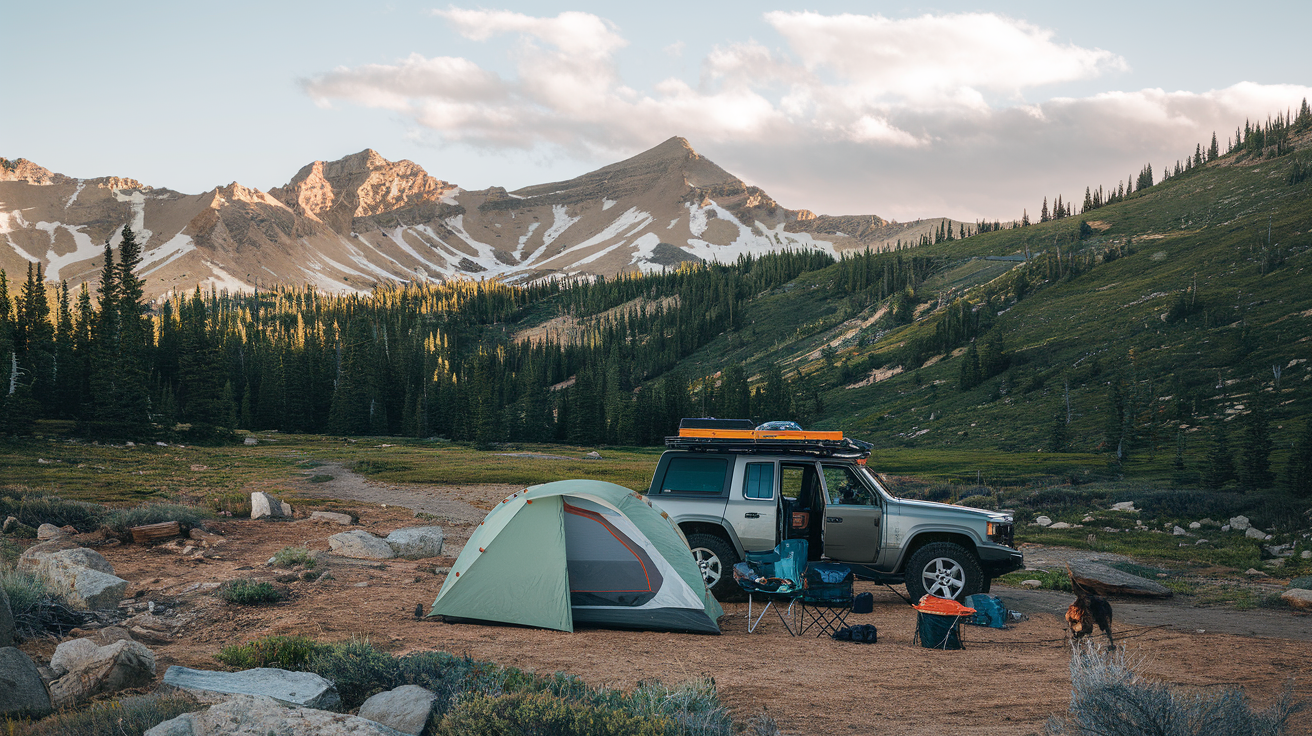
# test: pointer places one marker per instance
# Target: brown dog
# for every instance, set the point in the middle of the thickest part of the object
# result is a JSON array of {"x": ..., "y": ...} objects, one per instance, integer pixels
[{"x": 1089, "y": 610}]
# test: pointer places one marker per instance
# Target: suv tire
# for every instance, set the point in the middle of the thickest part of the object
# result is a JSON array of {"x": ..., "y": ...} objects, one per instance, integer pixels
[
  {"x": 943, "y": 569},
  {"x": 716, "y": 558}
]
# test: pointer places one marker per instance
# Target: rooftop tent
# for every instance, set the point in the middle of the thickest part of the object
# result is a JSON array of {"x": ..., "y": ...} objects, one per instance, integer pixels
[{"x": 580, "y": 551}]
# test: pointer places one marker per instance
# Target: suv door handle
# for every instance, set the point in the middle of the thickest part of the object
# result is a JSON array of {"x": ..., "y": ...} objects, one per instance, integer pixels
[
  {"x": 751, "y": 515},
  {"x": 834, "y": 519}
]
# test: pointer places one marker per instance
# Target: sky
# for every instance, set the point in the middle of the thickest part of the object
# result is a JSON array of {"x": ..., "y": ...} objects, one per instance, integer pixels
[{"x": 905, "y": 111}]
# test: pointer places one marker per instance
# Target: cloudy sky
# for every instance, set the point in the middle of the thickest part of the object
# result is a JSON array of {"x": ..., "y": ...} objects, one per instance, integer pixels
[{"x": 904, "y": 111}]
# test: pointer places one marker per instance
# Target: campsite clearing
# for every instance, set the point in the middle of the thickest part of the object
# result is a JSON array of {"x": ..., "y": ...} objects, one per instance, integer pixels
[{"x": 1004, "y": 682}]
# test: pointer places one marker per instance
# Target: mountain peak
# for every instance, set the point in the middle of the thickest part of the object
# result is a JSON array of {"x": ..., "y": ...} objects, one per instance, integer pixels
[{"x": 358, "y": 185}]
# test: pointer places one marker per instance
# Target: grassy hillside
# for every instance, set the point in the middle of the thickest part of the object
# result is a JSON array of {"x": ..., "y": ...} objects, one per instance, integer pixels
[{"x": 1169, "y": 317}]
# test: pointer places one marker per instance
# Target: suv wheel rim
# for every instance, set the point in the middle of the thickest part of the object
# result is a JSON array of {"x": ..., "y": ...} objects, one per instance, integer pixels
[
  {"x": 944, "y": 577},
  {"x": 709, "y": 564}
]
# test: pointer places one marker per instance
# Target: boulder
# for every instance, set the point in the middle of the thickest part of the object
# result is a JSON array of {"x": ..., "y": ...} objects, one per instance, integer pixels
[
  {"x": 1124, "y": 506},
  {"x": 264, "y": 506},
  {"x": 250, "y": 441},
  {"x": 332, "y": 517},
  {"x": 1105, "y": 580},
  {"x": 416, "y": 542},
  {"x": 360, "y": 545},
  {"x": 23, "y": 693},
  {"x": 1305, "y": 554},
  {"x": 1178, "y": 531},
  {"x": 1254, "y": 533},
  {"x": 86, "y": 670},
  {"x": 1297, "y": 598},
  {"x": 1059, "y": 525},
  {"x": 1043, "y": 521},
  {"x": 1031, "y": 583},
  {"x": 405, "y": 709},
  {"x": 82, "y": 557},
  {"x": 84, "y": 587},
  {"x": 32, "y": 557},
  {"x": 1195, "y": 525},
  {"x": 47, "y": 532},
  {"x": 594, "y": 455},
  {"x": 293, "y": 688},
  {"x": 256, "y": 714},
  {"x": 1239, "y": 523}
]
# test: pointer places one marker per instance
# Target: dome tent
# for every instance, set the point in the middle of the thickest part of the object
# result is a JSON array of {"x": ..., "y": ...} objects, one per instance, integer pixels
[{"x": 580, "y": 551}]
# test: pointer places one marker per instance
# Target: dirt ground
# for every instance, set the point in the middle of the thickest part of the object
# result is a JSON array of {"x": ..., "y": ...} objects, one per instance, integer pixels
[{"x": 1003, "y": 682}]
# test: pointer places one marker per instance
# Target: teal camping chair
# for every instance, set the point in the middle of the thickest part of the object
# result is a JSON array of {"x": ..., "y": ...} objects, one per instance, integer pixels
[{"x": 774, "y": 577}]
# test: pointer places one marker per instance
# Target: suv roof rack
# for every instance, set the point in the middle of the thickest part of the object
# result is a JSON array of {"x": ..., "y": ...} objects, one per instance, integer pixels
[{"x": 792, "y": 442}]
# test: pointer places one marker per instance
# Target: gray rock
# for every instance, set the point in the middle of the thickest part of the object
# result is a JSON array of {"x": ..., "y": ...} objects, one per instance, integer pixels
[
  {"x": 1178, "y": 531},
  {"x": 1105, "y": 580},
  {"x": 1207, "y": 522},
  {"x": 1195, "y": 525},
  {"x": 332, "y": 517},
  {"x": 82, "y": 557},
  {"x": 417, "y": 542},
  {"x": 293, "y": 688},
  {"x": 255, "y": 714},
  {"x": 1252, "y": 573},
  {"x": 264, "y": 506},
  {"x": 84, "y": 587},
  {"x": 1060, "y": 525},
  {"x": 250, "y": 442},
  {"x": 1225, "y": 527},
  {"x": 406, "y": 708},
  {"x": 1239, "y": 523},
  {"x": 1124, "y": 506},
  {"x": 47, "y": 532},
  {"x": 87, "y": 670},
  {"x": 33, "y": 556},
  {"x": 1043, "y": 521},
  {"x": 1280, "y": 550},
  {"x": 594, "y": 455},
  {"x": 23, "y": 693},
  {"x": 360, "y": 545},
  {"x": 1253, "y": 533},
  {"x": 1306, "y": 554},
  {"x": 1201, "y": 541},
  {"x": 1031, "y": 583}
]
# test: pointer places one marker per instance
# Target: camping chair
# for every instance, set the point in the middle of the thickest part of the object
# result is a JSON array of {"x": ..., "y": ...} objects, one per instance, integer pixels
[
  {"x": 826, "y": 597},
  {"x": 774, "y": 577}
]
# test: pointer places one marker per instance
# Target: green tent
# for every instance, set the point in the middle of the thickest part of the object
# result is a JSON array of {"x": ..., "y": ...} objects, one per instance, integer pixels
[{"x": 580, "y": 551}]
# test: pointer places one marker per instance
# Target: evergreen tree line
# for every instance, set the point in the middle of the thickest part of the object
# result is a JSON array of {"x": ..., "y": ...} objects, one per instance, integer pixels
[{"x": 417, "y": 360}]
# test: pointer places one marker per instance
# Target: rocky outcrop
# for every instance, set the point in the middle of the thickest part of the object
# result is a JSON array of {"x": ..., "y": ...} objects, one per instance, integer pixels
[
  {"x": 293, "y": 688},
  {"x": 254, "y": 714},
  {"x": 1105, "y": 580},
  {"x": 359, "y": 185}
]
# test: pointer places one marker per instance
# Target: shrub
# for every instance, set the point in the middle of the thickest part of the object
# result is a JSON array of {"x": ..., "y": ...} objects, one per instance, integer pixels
[
  {"x": 35, "y": 508},
  {"x": 357, "y": 669},
  {"x": 121, "y": 521},
  {"x": 546, "y": 714},
  {"x": 1110, "y": 698},
  {"x": 293, "y": 556},
  {"x": 320, "y": 478},
  {"x": 249, "y": 592},
  {"x": 230, "y": 504},
  {"x": 125, "y": 717},
  {"x": 283, "y": 652},
  {"x": 36, "y": 609},
  {"x": 1302, "y": 583}
]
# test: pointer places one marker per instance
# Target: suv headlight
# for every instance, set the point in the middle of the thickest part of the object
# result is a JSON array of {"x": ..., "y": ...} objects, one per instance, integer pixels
[{"x": 1002, "y": 532}]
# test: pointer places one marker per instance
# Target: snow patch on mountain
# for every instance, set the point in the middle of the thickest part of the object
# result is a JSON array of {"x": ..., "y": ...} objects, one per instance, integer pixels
[
  {"x": 607, "y": 204},
  {"x": 138, "y": 202},
  {"x": 626, "y": 224},
  {"x": 83, "y": 248},
  {"x": 523, "y": 239},
  {"x": 178, "y": 246},
  {"x": 80, "y": 184}
]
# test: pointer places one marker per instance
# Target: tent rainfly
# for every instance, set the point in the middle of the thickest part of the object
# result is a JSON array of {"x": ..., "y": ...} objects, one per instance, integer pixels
[{"x": 579, "y": 551}]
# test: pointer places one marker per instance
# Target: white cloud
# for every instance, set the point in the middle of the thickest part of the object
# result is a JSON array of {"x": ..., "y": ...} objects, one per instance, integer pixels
[{"x": 858, "y": 113}]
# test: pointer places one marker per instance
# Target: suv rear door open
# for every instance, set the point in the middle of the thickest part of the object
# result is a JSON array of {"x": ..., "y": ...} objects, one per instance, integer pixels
[{"x": 853, "y": 516}]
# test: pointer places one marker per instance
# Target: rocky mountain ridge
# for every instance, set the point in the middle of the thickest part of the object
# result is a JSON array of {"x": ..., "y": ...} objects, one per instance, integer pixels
[{"x": 362, "y": 220}]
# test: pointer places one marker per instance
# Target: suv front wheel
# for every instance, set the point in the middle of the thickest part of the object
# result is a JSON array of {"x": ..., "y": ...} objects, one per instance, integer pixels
[
  {"x": 716, "y": 558},
  {"x": 945, "y": 570}
]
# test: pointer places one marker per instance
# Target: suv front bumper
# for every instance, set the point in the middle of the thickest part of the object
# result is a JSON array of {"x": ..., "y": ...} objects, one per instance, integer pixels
[{"x": 998, "y": 560}]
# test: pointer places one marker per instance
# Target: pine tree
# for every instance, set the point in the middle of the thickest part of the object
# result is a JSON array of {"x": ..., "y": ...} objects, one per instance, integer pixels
[
  {"x": 1220, "y": 468},
  {"x": 970, "y": 369},
  {"x": 1213, "y": 151},
  {"x": 1255, "y": 463},
  {"x": 1298, "y": 471}
]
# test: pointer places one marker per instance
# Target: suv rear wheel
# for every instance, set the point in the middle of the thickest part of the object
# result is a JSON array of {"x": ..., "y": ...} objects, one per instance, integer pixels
[
  {"x": 716, "y": 558},
  {"x": 945, "y": 570}
]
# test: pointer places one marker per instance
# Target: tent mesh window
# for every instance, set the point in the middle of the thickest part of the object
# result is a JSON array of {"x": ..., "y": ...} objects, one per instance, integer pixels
[{"x": 606, "y": 567}]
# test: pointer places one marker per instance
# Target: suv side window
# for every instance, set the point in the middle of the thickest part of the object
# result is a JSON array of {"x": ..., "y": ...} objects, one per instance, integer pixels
[
  {"x": 701, "y": 475},
  {"x": 845, "y": 488},
  {"x": 758, "y": 481}
]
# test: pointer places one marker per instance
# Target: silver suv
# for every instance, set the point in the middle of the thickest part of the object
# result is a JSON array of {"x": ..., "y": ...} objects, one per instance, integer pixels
[{"x": 730, "y": 501}]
